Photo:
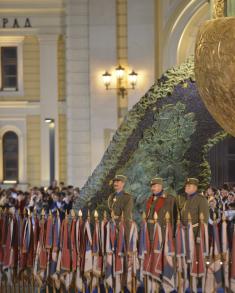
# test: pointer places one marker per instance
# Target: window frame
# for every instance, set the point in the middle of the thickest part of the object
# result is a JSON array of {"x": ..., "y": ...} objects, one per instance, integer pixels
[
  {"x": 3, "y": 88},
  {"x": 18, "y": 43},
  {"x": 17, "y": 157}
]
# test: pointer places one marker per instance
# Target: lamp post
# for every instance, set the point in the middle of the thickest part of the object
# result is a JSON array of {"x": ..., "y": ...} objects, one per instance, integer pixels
[{"x": 51, "y": 123}]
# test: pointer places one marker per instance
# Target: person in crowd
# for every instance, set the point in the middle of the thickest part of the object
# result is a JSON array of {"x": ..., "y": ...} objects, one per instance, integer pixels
[
  {"x": 210, "y": 192},
  {"x": 61, "y": 185},
  {"x": 214, "y": 215},
  {"x": 231, "y": 197},
  {"x": 67, "y": 202},
  {"x": 224, "y": 196},
  {"x": 21, "y": 202},
  {"x": 233, "y": 188}
]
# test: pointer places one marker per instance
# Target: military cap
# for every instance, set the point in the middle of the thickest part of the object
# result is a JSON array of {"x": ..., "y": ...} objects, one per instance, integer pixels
[
  {"x": 193, "y": 181},
  {"x": 156, "y": 180},
  {"x": 120, "y": 178}
]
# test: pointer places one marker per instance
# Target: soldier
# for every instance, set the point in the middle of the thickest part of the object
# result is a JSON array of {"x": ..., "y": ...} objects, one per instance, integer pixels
[
  {"x": 161, "y": 203},
  {"x": 195, "y": 204},
  {"x": 120, "y": 201}
]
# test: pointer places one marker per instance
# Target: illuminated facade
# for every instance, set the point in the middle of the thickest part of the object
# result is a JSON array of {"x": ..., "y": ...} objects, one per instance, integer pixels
[{"x": 53, "y": 54}]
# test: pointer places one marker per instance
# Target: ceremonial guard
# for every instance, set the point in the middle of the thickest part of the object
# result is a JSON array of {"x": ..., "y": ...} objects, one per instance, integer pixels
[
  {"x": 161, "y": 203},
  {"x": 194, "y": 204},
  {"x": 121, "y": 202}
]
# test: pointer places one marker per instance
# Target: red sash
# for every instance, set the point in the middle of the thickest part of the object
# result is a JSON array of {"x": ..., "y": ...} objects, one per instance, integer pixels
[{"x": 159, "y": 204}]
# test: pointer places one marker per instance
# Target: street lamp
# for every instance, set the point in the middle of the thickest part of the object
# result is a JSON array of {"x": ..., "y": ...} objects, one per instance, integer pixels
[
  {"x": 51, "y": 123},
  {"x": 120, "y": 74},
  {"x": 106, "y": 79},
  {"x": 133, "y": 78}
]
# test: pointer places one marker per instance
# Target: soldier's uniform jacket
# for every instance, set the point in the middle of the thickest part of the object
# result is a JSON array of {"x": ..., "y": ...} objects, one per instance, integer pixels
[
  {"x": 122, "y": 203},
  {"x": 161, "y": 205},
  {"x": 194, "y": 204}
]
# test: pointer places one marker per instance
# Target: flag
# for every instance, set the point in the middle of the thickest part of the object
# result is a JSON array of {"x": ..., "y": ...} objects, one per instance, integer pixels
[
  {"x": 232, "y": 273},
  {"x": 190, "y": 243},
  {"x": 36, "y": 230},
  {"x": 64, "y": 246},
  {"x": 49, "y": 242},
  {"x": 154, "y": 259},
  {"x": 73, "y": 244},
  {"x": 181, "y": 278},
  {"x": 55, "y": 250},
  {"x": 198, "y": 264},
  {"x": 214, "y": 269},
  {"x": 65, "y": 254},
  {"x": 225, "y": 252},
  {"x": 27, "y": 243},
  {"x": 217, "y": 258},
  {"x": 40, "y": 263},
  {"x": 49, "y": 232},
  {"x": 132, "y": 257},
  {"x": 11, "y": 249},
  {"x": 80, "y": 253},
  {"x": 97, "y": 260},
  {"x": 88, "y": 252},
  {"x": 109, "y": 250},
  {"x": 119, "y": 256},
  {"x": 168, "y": 260},
  {"x": 22, "y": 260},
  {"x": 8, "y": 244},
  {"x": 2, "y": 228},
  {"x": 144, "y": 253},
  {"x": 152, "y": 265},
  {"x": 103, "y": 235}
]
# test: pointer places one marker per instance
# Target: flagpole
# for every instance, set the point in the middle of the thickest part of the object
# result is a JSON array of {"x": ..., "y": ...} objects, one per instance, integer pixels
[
  {"x": 224, "y": 254},
  {"x": 179, "y": 272},
  {"x": 106, "y": 289},
  {"x": 190, "y": 265},
  {"x": 146, "y": 283},
  {"x": 145, "y": 277},
  {"x": 96, "y": 216}
]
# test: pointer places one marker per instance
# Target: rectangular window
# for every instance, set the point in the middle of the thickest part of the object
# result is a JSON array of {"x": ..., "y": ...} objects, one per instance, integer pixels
[{"x": 9, "y": 69}]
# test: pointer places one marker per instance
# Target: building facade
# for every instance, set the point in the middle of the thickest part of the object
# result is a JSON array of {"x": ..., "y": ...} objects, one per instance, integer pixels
[{"x": 53, "y": 55}]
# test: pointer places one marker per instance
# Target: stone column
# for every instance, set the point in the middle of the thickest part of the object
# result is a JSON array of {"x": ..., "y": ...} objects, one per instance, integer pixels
[
  {"x": 48, "y": 102},
  {"x": 77, "y": 91}
]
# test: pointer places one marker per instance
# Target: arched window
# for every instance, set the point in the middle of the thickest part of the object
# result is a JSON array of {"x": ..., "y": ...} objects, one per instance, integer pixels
[{"x": 10, "y": 156}]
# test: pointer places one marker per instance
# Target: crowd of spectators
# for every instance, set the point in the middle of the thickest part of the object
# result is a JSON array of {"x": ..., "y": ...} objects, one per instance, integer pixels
[
  {"x": 57, "y": 197},
  {"x": 221, "y": 203}
]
